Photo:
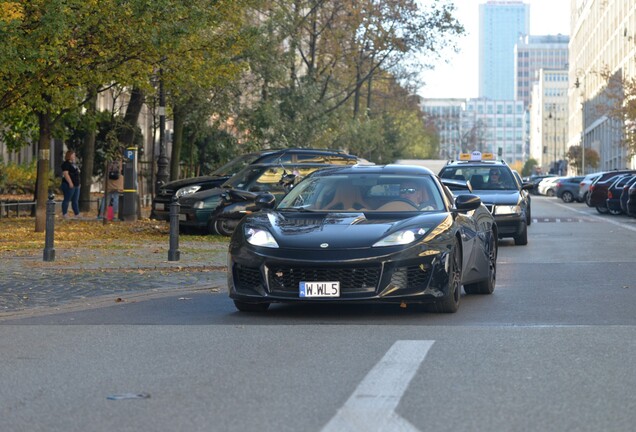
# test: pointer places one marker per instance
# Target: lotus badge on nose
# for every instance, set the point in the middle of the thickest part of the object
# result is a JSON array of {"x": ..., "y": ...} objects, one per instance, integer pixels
[{"x": 324, "y": 245}]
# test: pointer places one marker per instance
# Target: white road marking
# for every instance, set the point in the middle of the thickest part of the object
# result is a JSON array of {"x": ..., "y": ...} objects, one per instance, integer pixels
[{"x": 372, "y": 405}]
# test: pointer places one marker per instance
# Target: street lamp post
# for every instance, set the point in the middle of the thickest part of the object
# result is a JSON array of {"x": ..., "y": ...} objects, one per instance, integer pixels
[
  {"x": 162, "y": 160},
  {"x": 581, "y": 86},
  {"x": 554, "y": 154}
]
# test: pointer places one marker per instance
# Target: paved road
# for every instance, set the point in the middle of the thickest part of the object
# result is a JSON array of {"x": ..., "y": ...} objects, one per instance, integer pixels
[{"x": 551, "y": 350}]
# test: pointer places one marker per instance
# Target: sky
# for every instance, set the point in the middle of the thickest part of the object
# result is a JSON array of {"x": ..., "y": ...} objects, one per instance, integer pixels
[{"x": 459, "y": 77}]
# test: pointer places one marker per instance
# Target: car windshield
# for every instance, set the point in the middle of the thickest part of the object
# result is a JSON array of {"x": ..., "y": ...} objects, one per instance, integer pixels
[
  {"x": 235, "y": 165},
  {"x": 268, "y": 178},
  {"x": 493, "y": 177},
  {"x": 365, "y": 192}
]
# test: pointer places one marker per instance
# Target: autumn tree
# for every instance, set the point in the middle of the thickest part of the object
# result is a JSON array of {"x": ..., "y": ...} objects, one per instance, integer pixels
[
  {"x": 575, "y": 158},
  {"x": 57, "y": 53},
  {"x": 324, "y": 59},
  {"x": 619, "y": 104}
]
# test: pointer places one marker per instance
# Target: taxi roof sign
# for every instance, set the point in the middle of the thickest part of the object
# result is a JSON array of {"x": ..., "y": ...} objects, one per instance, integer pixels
[{"x": 476, "y": 156}]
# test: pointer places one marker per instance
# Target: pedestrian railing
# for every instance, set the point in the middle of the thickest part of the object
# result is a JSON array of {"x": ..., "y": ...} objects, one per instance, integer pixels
[{"x": 17, "y": 208}]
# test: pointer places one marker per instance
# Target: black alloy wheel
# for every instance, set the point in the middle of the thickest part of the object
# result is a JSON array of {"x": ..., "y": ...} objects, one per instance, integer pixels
[{"x": 450, "y": 302}]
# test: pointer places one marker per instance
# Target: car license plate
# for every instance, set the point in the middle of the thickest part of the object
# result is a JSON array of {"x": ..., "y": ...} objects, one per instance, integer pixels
[
  {"x": 319, "y": 289},
  {"x": 182, "y": 217},
  {"x": 159, "y": 206}
]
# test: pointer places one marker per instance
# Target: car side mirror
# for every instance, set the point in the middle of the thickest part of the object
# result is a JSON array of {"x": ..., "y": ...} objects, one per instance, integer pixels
[
  {"x": 467, "y": 202},
  {"x": 265, "y": 201},
  {"x": 527, "y": 186}
]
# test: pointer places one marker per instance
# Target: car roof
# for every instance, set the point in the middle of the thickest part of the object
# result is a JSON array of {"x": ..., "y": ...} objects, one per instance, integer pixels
[{"x": 396, "y": 169}]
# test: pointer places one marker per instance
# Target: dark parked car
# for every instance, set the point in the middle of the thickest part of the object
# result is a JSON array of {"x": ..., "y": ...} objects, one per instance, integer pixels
[
  {"x": 504, "y": 197},
  {"x": 598, "y": 189},
  {"x": 199, "y": 210},
  {"x": 631, "y": 201},
  {"x": 350, "y": 234},
  {"x": 179, "y": 188},
  {"x": 613, "y": 202},
  {"x": 625, "y": 194},
  {"x": 584, "y": 187},
  {"x": 567, "y": 188}
]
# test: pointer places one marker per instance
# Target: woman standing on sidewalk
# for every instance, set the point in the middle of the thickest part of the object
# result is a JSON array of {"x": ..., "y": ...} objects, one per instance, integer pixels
[{"x": 70, "y": 184}]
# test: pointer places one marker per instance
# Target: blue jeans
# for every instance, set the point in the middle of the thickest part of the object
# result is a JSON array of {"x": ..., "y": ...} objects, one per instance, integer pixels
[
  {"x": 71, "y": 195},
  {"x": 114, "y": 195}
]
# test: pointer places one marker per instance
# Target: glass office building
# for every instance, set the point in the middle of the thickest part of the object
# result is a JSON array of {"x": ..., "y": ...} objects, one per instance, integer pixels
[{"x": 501, "y": 24}]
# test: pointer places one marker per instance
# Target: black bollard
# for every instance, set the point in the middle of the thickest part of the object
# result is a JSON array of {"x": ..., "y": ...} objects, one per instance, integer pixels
[
  {"x": 49, "y": 250},
  {"x": 173, "y": 252}
]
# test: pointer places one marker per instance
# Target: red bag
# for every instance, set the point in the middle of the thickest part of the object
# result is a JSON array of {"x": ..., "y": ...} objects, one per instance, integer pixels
[{"x": 110, "y": 213}]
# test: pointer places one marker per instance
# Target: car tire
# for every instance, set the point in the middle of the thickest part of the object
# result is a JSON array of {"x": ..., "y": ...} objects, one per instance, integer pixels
[
  {"x": 614, "y": 212},
  {"x": 487, "y": 286},
  {"x": 602, "y": 210},
  {"x": 522, "y": 239},
  {"x": 567, "y": 197},
  {"x": 528, "y": 216},
  {"x": 550, "y": 192},
  {"x": 251, "y": 307},
  {"x": 450, "y": 302},
  {"x": 223, "y": 227}
]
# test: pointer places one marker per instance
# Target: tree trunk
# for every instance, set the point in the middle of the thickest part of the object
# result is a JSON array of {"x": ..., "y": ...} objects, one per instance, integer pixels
[
  {"x": 88, "y": 155},
  {"x": 137, "y": 99},
  {"x": 42, "y": 182},
  {"x": 178, "y": 119}
]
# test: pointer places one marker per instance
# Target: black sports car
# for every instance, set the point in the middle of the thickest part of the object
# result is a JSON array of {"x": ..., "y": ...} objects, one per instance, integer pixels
[{"x": 389, "y": 233}]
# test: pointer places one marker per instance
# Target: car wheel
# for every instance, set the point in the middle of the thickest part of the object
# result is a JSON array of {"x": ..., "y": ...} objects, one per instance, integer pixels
[
  {"x": 615, "y": 212},
  {"x": 487, "y": 286},
  {"x": 251, "y": 307},
  {"x": 550, "y": 193},
  {"x": 223, "y": 227},
  {"x": 528, "y": 216},
  {"x": 450, "y": 301},
  {"x": 586, "y": 199},
  {"x": 567, "y": 197},
  {"x": 522, "y": 239},
  {"x": 602, "y": 210}
]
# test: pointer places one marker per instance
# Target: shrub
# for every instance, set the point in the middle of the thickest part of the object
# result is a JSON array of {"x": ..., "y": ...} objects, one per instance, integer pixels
[{"x": 21, "y": 178}]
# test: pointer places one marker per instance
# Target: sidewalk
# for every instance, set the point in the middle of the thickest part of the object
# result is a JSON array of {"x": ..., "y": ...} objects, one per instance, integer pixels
[{"x": 81, "y": 275}]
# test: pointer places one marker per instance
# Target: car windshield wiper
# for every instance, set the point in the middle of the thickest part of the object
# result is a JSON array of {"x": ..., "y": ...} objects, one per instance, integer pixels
[{"x": 298, "y": 209}]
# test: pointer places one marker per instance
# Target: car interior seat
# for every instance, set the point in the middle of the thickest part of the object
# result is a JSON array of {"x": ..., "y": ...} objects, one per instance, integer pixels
[
  {"x": 346, "y": 197},
  {"x": 477, "y": 181}
]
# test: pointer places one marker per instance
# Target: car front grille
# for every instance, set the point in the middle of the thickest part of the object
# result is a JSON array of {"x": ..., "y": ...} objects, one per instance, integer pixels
[
  {"x": 412, "y": 277},
  {"x": 352, "y": 279},
  {"x": 247, "y": 278}
]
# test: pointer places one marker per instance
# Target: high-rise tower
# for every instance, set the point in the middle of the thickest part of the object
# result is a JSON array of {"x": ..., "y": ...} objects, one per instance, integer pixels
[{"x": 501, "y": 23}]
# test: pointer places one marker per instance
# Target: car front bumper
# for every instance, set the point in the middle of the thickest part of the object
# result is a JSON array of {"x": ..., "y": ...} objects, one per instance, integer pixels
[
  {"x": 401, "y": 276},
  {"x": 510, "y": 225}
]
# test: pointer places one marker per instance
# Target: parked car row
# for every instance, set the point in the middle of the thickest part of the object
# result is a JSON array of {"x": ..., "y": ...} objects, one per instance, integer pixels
[
  {"x": 600, "y": 191},
  {"x": 612, "y": 192},
  {"x": 215, "y": 203}
]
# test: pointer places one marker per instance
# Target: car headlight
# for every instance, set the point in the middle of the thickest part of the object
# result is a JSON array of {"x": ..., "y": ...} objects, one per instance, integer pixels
[
  {"x": 187, "y": 190},
  {"x": 260, "y": 237},
  {"x": 211, "y": 203},
  {"x": 403, "y": 237},
  {"x": 507, "y": 210}
]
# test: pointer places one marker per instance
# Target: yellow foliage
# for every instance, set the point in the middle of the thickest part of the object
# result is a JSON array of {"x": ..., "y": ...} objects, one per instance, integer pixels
[
  {"x": 10, "y": 11},
  {"x": 18, "y": 234}
]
